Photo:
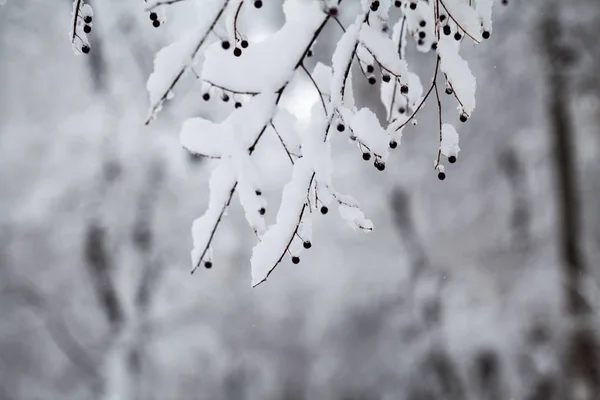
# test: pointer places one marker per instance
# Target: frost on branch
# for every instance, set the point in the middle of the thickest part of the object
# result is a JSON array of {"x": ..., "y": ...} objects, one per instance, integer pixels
[{"x": 257, "y": 73}]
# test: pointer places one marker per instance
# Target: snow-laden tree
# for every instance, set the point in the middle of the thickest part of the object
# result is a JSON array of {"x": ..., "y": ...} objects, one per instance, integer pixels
[{"x": 254, "y": 71}]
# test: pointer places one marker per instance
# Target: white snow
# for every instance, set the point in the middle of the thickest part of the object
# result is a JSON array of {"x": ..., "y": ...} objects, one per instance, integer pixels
[
  {"x": 458, "y": 73},
  {"x": 449, "y": 145},
  {"x": 368, "y": 131},
  {"x": 267, "y": 65},
  {"x": 172, "y": 61},
  {"x": 484, "y": 9},
  {"x": 269, "y": 252},
  {"x": 465, "y": 16},
  {"x": 351, "y": 213},
  {"x": 201, "y": 136},
  {"x": 221, "y": 182},
  {"x": 385, "y": 52},
  {"x": 341, "y": 59}
]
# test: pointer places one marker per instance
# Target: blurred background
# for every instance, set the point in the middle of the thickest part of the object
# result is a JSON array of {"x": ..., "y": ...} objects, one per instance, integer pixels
[{"x": 483, "y": 286}]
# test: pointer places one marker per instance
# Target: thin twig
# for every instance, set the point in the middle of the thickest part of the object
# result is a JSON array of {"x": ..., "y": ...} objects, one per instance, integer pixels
[
  {"x": 316, "y": 87},
  {"x": 439, "y": 103},
  {"x": 457, "y": 24},
  {"x": 231, "y": 90},
  {"x": 282, "y": 143},
  {"x": 159, "y": 3},
  {"x": 157, "y": 105},
  {"x": 75, "y": 16},
  {"x": 433, "y": 83},
  {"x": 393, "y": 102},
  {"x": 237, "y": 14}
]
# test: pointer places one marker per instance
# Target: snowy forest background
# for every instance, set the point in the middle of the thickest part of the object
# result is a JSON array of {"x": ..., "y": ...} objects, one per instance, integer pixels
[{"x": 464, "y": 290}]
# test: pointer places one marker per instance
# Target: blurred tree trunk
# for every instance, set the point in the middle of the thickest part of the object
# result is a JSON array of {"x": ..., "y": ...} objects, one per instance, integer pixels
[
  {"x": 123, "y": 358},
  {"x": 562, "y": 131},
  {"x": 513, "y": 167},
  {"x": 581, "y": 357}
]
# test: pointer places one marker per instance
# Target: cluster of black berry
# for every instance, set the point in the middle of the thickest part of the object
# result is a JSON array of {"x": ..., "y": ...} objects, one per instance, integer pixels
[
  {"x": 237, "y": 51},
  {"x": 225, "y": 97},
  {"x": 85, "y": 17},
  {"x": 154, "y": 18}
]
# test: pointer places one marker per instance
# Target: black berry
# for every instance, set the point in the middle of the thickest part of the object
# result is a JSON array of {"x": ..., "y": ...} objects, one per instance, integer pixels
[
  {"x": 87, "y": 28},
  {"x": 244, "y": 44},
  {"x": 422, "y": 34},
  {"x": 333, "y": 12},
  {"x": 393, "y": 144},
  {"x": 463, "y": 117},
  {"x": 452, "y": 159},
  {"x": 442, "y": 18},
  {"x": 370, "y": 69},
  {"x": 309, "y": 53},
  {"x": 225, "y": 97},
  {"x": 434, "y": 46},
  {"x": 341, "y": 127},
  {"x": 485, "y": 34},
  {"x": 422, "y": 24},
  {"x": 258, "y": 192},
  {"x": 206, "y": 96},
  {"x": 379, "y": 165},
  {"x": 237, "y": 104},
  {"x": 403, "y": 89},
  {"x": 295, "y": 259},
  {"x": 449, "y": 91},
  {"x": 324, "y": 210},
  {"x": 258, "y": 4},
  {"x": 237, "y": 52},
  {"x": 85, "y": 49},
  {"x": 402, "y": 110},
  {"x": 375, "y": 5},
  {"x": 262, "y": 211},
  {"x": 457, "y": 36},
  {"x": 208, "y": 264},
  {"x": 420, "y": 42},
  {"x": 398, "y": 3},
  {"x": 87, "y": 19},
  {"x": 441, "y": 176},
  {"x": 307, "y": 245},
  {"x": 372, "y": 80},
  {"x": 153, "y": 16},
  {"x": 366, "y": 156},
  {"x": 156, "y": 23},
  {"x": 385, "y": 78},
  {"x": 447, "y": 30},
  {"x": 413, "y": 6},
  {"x": 225, "y": 44}
]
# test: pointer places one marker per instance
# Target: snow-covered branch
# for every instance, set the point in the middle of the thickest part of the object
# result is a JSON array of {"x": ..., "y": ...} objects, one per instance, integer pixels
[
  {"x": 81, "y": 26},
  {"x": 256, "y": 73},
  {"x": 172, "y": 61}
]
